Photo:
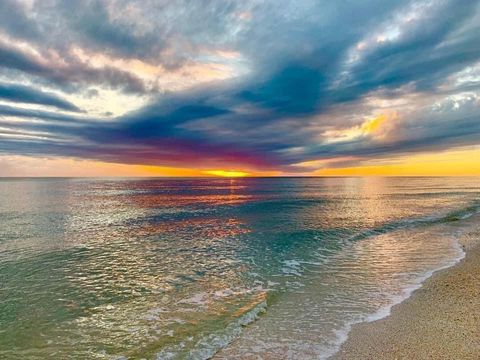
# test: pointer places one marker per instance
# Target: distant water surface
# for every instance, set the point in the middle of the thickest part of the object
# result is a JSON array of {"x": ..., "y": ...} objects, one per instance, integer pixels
[{"x": 190, "y": 268}]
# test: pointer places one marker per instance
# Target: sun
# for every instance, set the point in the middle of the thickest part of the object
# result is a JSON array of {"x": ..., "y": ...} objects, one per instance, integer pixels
[{"x": 226, "y": 173}]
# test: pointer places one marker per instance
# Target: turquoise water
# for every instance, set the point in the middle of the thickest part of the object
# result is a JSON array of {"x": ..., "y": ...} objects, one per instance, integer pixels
[{"x": 190, "y": 268}]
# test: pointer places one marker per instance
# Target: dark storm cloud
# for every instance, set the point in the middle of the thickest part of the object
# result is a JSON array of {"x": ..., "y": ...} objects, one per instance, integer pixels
[
  {"x": 312, "y": 66},
  {"x": 12, "y": 59},
  {"x": 24, "y": 94},
  {"x": 42, "y": 117}
]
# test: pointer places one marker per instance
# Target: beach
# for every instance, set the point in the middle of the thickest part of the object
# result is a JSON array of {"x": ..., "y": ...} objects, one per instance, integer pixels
[{"x": 439, "y": 321}]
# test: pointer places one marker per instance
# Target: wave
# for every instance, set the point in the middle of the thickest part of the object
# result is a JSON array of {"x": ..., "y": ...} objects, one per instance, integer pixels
[
  {"x": 210, "y": 344},
  {"x": 439, "y": 218},
  {"x": 385, "y": 311}
]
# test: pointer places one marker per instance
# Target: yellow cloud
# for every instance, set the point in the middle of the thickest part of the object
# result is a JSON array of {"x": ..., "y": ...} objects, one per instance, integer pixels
[{"x": 373, "y": 127}]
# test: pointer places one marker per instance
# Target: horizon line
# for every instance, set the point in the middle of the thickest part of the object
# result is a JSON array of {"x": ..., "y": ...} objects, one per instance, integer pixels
[{"x": 233, "y": 177}]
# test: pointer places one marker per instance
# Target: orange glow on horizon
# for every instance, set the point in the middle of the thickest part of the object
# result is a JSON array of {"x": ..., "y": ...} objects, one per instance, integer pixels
[
  {"x": 446, "y": 163},
  {"x": 226, "y": 173},
  {"x": 461, "y": 162},
  {"x": 27, "y": 166}
]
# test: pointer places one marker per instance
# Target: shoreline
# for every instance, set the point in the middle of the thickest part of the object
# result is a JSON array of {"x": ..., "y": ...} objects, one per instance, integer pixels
[{"x": 440, "y": 319}]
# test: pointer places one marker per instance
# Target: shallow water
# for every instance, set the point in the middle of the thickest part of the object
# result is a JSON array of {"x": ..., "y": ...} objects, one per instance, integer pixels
[{"x": 104, "y": 269}]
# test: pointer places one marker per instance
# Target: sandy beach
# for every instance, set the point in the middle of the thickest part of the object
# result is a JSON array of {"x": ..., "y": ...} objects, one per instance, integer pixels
[{"x": 441, "y": 320}]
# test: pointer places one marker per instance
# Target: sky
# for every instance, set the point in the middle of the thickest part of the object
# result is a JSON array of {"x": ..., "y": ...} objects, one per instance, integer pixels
[{"x": 239, "y": 88}]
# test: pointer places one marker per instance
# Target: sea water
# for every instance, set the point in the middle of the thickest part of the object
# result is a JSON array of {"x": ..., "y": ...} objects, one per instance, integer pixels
[{"x": 262, "y": 268}]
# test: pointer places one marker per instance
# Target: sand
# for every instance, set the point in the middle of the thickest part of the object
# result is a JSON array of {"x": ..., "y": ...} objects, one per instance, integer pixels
[{"x": 441, "y": 320}]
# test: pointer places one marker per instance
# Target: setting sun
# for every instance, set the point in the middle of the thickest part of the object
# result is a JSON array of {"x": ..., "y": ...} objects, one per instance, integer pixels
[{"x": 226, "y": 173}]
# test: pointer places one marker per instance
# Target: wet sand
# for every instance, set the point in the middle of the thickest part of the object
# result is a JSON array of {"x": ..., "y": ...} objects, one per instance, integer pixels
[{"x": 441, "y": 320}]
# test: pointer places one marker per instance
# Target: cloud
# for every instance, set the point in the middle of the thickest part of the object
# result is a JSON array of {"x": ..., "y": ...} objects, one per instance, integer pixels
[
  {"x": 24, "y": 94},
  {"x": 69, "y": 75},
  {"x": 15, "y": 21},
  {"x": 310, "y": 80}
]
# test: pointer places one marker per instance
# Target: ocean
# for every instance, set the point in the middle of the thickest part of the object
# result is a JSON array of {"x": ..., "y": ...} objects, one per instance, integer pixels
[{"x": 240, "y": 268}]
